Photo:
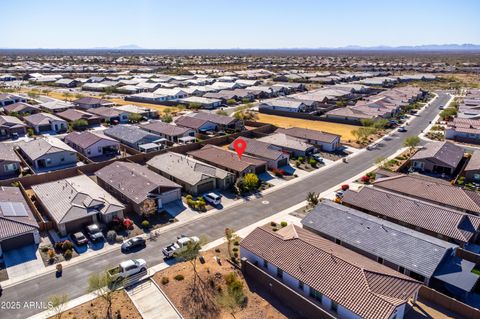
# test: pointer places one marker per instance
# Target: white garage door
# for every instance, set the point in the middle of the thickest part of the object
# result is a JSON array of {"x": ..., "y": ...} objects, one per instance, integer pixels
[{"x": 170, "y": 196}]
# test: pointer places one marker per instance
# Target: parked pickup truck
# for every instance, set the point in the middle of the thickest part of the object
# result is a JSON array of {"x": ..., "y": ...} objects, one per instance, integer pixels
[
  {"x": 177, "y": 246},
  {"x": 127, "y": 269}
]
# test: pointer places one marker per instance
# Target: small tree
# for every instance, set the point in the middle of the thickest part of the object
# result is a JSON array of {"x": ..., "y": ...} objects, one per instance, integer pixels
[
  {"x": 194, "y": 106},
  {"x": 134, "y": 118},
  {"x": 230, "y": 236},
  {"x": 57, "y": 304},
  {"x": 231, "y": 101},
  {"x": 234, "y": 298},
  {"x": 79, "y": 124},
  {"x": 221, "y": 112},
  {"x": 189, "y": 253},
  {"x": 250, "y": 182},
  {"x": 148, "y": 208},
  {"x": 313, "y": 199},
  {"x": 366, "y": 122},
  {"x": 167, "y": 118},
  {"x": 411, "y": 142},
  {"x": 99, "y": 284}
]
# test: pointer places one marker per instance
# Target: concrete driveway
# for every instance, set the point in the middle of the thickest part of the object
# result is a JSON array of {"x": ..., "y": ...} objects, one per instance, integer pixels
[
  {"x": 149, "y": 299},
  {"x": 25, "y": 260},
  {"x": 179, "y": 211}
]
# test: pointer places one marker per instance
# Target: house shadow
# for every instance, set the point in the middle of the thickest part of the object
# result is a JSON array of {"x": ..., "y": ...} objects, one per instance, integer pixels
[
  {"x": 19, "y": 256},
  {"x": 276, "y": 303}
]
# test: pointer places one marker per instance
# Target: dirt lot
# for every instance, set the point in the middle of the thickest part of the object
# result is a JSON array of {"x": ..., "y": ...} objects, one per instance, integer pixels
[
  {"x": 97, "y": 308},
  {"x": 336, "y": 128},
  {"x": 160, "y": 108},
  {"x": 212, "y": 274}
]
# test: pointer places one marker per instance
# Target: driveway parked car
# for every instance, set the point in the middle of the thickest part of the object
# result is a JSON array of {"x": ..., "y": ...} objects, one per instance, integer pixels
[
  {"x": 213, "y": 199},
  {"x": 79, "y": 239},
  {"x": 132, "y": 243},
  {"x": 94, "y": 232},
  {"x": 402, "y": 129}
]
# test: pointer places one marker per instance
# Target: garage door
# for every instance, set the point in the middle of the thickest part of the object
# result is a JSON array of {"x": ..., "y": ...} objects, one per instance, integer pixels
[
  {"x": 283, "y": 162},
  {"x": 205, "y": 187},
  {"x": 170, "y": 196},
  {"x": 17, "y": 242},
  {"x": 259, "y": 169},
  {"x": 78, "y": 224}
]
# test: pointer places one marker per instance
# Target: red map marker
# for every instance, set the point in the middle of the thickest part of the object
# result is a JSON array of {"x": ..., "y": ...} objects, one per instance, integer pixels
[{"x": 240, "y": 145}]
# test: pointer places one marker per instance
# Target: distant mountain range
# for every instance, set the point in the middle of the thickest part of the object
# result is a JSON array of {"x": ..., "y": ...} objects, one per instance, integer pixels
[{"x": 425, "y": 47}]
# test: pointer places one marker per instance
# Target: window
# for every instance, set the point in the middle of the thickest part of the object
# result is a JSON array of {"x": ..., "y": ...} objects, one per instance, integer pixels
[
  {"x": 401, "y": 270},
  {"x": 300, "y": 285},
  {"x": 380, "y": 260},
  {"x": 10, "y": 167},
  {"x": 476, "y": 177},
  {"x": 315, "y": 294},
  {"x": 279, "y": 273},
  {"x": 265, "y": 264},
  {"x": 334, "y": 307}
]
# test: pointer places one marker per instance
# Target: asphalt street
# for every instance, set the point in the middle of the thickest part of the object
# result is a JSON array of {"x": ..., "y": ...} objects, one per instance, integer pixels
[{"x": 26, "y": 297}]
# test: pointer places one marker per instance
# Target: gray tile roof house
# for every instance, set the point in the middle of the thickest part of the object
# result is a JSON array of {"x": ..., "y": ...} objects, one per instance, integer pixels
[
  {"x": 76, "y": 202},
  {"x": 21, "y": 108},
  {"x": 136, "y": 185},
  {"x": 132, "y": 136},
  {"x": 92, "y": 144},
  {"x": 18, "y": 226},
  {"x": 44, "y": 122},
  {"x": 265, "y": 151},
  {"x": 47, "y": 153},
  {"x": 399, "y": 247},
  {"x": 290, "y": 144},
  {"x": 11, "y": 125},
  {"x": 223, "y": 121},
  {"x": 168, "y": 131},
  {"x": 472, "y": 170},
  {"x": 432, "y": 190},
  {"x": 358, "y": 286},
  {"x": 327, "y": 141},
  {"x": 109, "y": 114},
  {"x": 9, "y": 161},
  {"x": 195, "y": 176},
  {"x": 55, "y": 106},
  {"x": 196, "y": 124},
  {"x": 91, "y": 102},
  {"x": 428, "y": 218},
  {"x": 438, "y": 157}
]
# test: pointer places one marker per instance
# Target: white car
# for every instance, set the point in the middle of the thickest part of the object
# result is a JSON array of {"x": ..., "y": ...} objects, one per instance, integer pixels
[
  {"x": 402, "y": 129},
  {"x": 177, "y": 246},
  {"x": 127, "y": 268},
  {"x": 213, "y": 199}
]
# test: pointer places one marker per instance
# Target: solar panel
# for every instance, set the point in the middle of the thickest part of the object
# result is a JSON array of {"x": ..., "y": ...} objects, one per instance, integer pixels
[{"x": 13, "y": 209}]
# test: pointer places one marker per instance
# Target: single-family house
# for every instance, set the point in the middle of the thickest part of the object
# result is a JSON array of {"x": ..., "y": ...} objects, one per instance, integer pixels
[
  {"x": 142, "y": 189},
  {"x": 283, "y": 104},
  {"x": 76, "y": 202},
  {"x": 223, "y": 122},
  {"x": 92, "y": 144},
  {"x": 110, "y": 114},
  {"x": 342, "y": 283},
  {"x": 194, "y": 176},
  {"x": 171, "y": 132},
  {"x": 289, "y": 144},
  {"x": 326, "y": 141},
  {"x": 18, "y": 226},
  {"x": 206, "y": 103},
  {"x": 144, "y": 112},
  {"x": 132, "y": 136},
  {"x": 21, "y": 108},
  {"x": 438, "y": 157},
  {"x": 197, "y": 124},
  {"x": 229, "y": 161},
  {"x": 9, "y": 161},
  {"x": 55, "y": 106},
  {"x": 46, "y": 122},
  {"x": 91, "y": 102},
  {"x": 7, "y": 99},
  {"x": 272, "y": 154},
  {"x": 68, "y": 83},
  {"x": 48, "y": 153},
  {"x": 10, "y": 126},
  {"x": 73, "y": 115}
]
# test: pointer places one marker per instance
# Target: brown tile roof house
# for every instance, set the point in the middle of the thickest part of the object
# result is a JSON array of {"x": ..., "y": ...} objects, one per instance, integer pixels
[
  {"x": 433, "y": 191},
  {"x": 168, "y": 131},
  {"x": 290, "y": 144},
  {"x": 438, "y": 157},
  {"x": 9, "y": 161},
  {"x": 196, "y": 124},
  {"x": 472, "y": 170},
  {"x": 428, "y": 218},
  {"x": 328, "y": 141},
  {"x": 134, "y": 184},
  {"x": 109, "y": 114},
  {"x": 359, "y": 286},
  {"x": 21, "y": 108},
  {"x": 74, "y": 115},
  {"x": 18, "y": 226},
  {"x": 92, "y": 144},
  {"x": 222, "y": 121},
  {"x": 228, "y": 160},
  {"x": 11, "y": 125},
  {"x": 266, "y": 151}
]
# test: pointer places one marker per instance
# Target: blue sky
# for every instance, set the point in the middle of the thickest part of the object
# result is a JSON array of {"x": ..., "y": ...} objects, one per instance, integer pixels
[{"x": 213, "y": 24}]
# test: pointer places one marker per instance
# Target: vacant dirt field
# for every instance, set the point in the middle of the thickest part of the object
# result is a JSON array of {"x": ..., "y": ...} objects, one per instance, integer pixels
[
  {"x": 212, "y": 274},
  {"x": 336, "y": 128},
  {"x": 97, "y": 308},
  {"x": 160, "y": 108}
]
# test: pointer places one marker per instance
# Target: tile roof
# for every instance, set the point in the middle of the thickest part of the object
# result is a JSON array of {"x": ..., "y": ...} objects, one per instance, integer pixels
[
  {"x": 42, "y": 119},
  {"x": 432, "y": 190},
  {"x": 36, "y": 148},
  {"x": 436, "y": 219},
  {"x": 185, "y": 168},
  {"x": 160, "y": 127},
  {"x": 379, "y": 237},
  {"x": 11, "y": 121},
  {"x": 474, "y": 162},
  {"x": 361, "y": 285},
  {"x": 130, "y": 134},
  {"x": 215, "y": 118},
  {"x": 86, "y": 138},
  {"x": 11, "y": 226},
  {"x": 224, "y": 158},
  {"x": 134, "y": 181},
  {"x": 7, "y": 153},
  {"x": 74, "y": 198},
  {"x": 191, "y": 122},
  {"x": 287, "y": 141},
  {"x": 91, "y": 101},
  {"x": 105, "y": 111},
  {"x": 73, "y": 115},
  {"x": 308, "y": 134},
  {"x": 259, "y": 148},
  {"x": 445, "y": 152},
  {"x": 20, "y": 107}
]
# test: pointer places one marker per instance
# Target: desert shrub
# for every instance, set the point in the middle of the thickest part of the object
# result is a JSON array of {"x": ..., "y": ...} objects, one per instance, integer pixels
[
  {"x": 365, "y": 179},
  {"x": 235, "y": 249},
  {"x": 236, "y": 243},
  {"x": 66, "y": 245},
  {"x": 67, "y": 254},
  {"x": 273, "y": 224},
  {"x": 179, "y": 277},
  {"x": 283, "y": 224},
  {"x": 51, "y": 254},
  {"x": 58, "y": 245},
  {"x": 145, "y": 224},
  {"x": 111, "y": 236},
  {"x": 189, "y": 197},
  {"x": 345, "y": 187},
  {"x": 165, "y": 280},
  {"x": 312, "y": 162},
  {"x": 127, "y": 223},
  {"x": 275, "y": 229}
]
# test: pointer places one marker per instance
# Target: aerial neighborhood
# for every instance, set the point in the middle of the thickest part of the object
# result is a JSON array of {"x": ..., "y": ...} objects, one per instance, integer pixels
[{"x": 339, "y": 182}]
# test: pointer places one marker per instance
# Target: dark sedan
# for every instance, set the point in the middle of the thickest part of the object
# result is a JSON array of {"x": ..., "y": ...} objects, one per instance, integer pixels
[{"x": 133, "y": 243}]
